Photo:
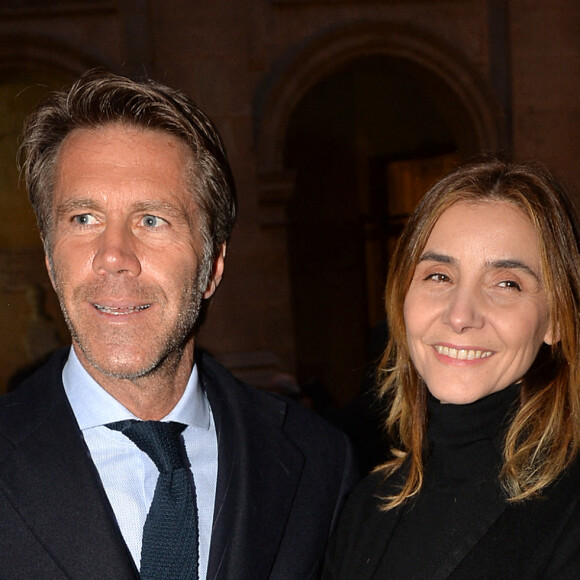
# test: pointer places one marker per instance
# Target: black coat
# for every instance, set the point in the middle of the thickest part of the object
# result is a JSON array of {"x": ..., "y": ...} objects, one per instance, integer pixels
[
  {"x": 535, "y": 539},
  {"x": 282, "y": 476}
]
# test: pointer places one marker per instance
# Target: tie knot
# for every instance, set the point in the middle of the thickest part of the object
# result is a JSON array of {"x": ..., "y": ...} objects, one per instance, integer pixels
[{"x": 161, "y": 440}]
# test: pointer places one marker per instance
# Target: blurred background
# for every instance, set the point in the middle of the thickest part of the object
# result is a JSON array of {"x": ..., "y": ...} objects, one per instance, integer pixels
[{"x": 337, "y": 116}]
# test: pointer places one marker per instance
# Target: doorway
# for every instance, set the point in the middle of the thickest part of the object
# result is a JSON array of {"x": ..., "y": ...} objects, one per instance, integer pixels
[{"x": 364, "y": 144}]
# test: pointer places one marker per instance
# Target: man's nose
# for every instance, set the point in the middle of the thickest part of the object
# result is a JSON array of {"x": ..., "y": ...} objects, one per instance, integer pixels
[{"x": 116, "y": 252}]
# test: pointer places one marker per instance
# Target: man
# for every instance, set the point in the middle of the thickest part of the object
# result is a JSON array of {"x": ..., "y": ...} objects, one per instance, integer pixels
[{"x": 135, "y": 203}]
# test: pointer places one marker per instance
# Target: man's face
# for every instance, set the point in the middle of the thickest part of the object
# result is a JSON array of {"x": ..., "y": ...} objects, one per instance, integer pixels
[{"x": 126, "y": 249}]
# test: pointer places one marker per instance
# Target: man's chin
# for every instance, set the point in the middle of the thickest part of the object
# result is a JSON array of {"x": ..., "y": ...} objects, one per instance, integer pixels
[
  {"x": 129, "y": 366},
  {"x": 126, "y": 373}
]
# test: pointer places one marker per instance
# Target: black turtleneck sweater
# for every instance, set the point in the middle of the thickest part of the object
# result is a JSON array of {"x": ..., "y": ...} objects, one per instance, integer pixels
[
  {"x": 461, "y": 479},
  {"x": 460, "y": 526}
]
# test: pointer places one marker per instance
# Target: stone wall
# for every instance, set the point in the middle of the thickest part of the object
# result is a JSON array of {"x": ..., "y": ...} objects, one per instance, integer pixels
[{"x": 502, "y": 75}]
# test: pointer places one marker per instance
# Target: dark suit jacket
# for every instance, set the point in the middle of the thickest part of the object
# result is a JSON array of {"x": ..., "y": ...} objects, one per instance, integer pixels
[
  {"x": 535, "y": 539},
  {"x": 282, "y": 476}
]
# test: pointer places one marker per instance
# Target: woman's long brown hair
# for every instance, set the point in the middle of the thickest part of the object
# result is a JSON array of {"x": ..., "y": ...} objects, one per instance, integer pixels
[{"x": 544, "y": 435}]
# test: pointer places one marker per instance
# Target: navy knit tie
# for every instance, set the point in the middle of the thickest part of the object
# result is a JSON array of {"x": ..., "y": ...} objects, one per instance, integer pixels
[{"x": 170, "y": 536}]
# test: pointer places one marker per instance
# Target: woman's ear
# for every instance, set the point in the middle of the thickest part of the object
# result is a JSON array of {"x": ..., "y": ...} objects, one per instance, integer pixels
[{"x": 552, "y": 335}]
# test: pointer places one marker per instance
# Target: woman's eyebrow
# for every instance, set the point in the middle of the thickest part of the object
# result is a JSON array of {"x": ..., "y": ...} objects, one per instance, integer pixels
[
  {"x": 502, "y": 264},
  {"x": 434, "y": 257},
  {"x": 511, "y": 264}
]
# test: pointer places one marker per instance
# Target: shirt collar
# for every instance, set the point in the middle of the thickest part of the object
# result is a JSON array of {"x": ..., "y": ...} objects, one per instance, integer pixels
[{"x": 93, "y": 406}]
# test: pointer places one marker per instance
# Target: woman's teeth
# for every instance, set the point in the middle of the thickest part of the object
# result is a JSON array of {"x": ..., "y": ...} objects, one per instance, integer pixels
[{"x": 462, "y": 353}]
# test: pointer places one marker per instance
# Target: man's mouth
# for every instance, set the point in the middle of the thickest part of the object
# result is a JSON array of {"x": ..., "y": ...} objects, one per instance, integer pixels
[
  {"x": 120, "y": 310},
  {"x": 462, "y": 353}
]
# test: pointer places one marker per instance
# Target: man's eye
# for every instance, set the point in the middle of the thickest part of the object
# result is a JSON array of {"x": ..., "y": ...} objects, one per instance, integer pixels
[
  {"x": 152, "y": 221},
  {"x": 84, "y": 219}
]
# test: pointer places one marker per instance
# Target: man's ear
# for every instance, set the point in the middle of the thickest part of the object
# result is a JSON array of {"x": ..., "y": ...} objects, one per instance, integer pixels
[
  {"x": 49, "y": 270},
  {"x": 217, "y": 273}
]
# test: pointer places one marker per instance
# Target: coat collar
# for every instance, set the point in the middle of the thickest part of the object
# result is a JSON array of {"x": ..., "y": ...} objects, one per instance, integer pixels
[
  {"x": 254, "y": 494},
  {"x": 473, "y": 531},
  {"x": 370, "y": 529},
  {"x": 42, "y": 443}
]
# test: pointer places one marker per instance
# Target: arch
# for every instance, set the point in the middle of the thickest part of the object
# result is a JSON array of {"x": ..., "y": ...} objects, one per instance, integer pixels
[
  {"x": 18, "y": 52},
  {"x": 30, "y": 67},
  {"x": 443, "y": 68},
  {"x": 466, "y": 105}
]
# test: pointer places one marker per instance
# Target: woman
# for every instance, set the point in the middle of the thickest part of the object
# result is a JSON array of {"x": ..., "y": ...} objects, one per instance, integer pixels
[{"x": 482, "y": 374}]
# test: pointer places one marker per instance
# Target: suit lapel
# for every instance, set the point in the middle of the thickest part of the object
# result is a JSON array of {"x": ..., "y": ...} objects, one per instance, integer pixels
[
  {"x": 473, "y": 531},
  {"x": 47, "y": 475},
  {"x": 371, "y": 544},
  {"x": 258, "y": 474},
  {"x": 370, "y": 550}
]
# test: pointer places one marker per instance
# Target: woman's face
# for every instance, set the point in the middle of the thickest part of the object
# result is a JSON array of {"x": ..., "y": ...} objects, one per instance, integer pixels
[{"x": 476, "y": 311}]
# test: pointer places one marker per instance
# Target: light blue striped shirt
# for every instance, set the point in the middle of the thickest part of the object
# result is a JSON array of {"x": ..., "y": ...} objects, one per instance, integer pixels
[{"x": 128, "y": 474}]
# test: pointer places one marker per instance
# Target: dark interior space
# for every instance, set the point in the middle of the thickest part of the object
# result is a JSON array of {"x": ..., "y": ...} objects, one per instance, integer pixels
[{"x": 364, "y": 145}]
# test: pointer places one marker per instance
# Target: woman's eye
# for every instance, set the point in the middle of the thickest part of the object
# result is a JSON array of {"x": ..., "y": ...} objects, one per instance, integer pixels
[
  {"x": 438, "y": 277},
  {"x": 152, "y": 221},
  {"x": 509, "y": 284},
  {"x": 84, "y": 219}
]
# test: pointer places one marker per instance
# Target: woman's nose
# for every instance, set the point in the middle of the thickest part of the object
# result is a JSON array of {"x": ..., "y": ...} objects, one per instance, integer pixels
[{"x": 464, "y": 310}]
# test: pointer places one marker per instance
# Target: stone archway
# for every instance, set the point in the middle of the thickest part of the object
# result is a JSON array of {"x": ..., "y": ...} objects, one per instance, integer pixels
[
  {"x": 29, "y": 311},
  {"x": 331, "y": 317},
  {"x": 299, "y": 70}
]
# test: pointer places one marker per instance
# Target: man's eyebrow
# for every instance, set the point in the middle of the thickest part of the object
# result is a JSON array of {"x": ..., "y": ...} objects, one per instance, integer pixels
[
  {"x": 87, "y": 204},
  {"x": 71, "y": 205},
  {"x": 161, "y": 206}
]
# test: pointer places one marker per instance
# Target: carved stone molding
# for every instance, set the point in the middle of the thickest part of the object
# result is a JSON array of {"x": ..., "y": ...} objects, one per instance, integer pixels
[
  {"x": 43, "y": 7},
  {"x": 274, "y": 192},
  {"x": 322, "y": 55}
]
